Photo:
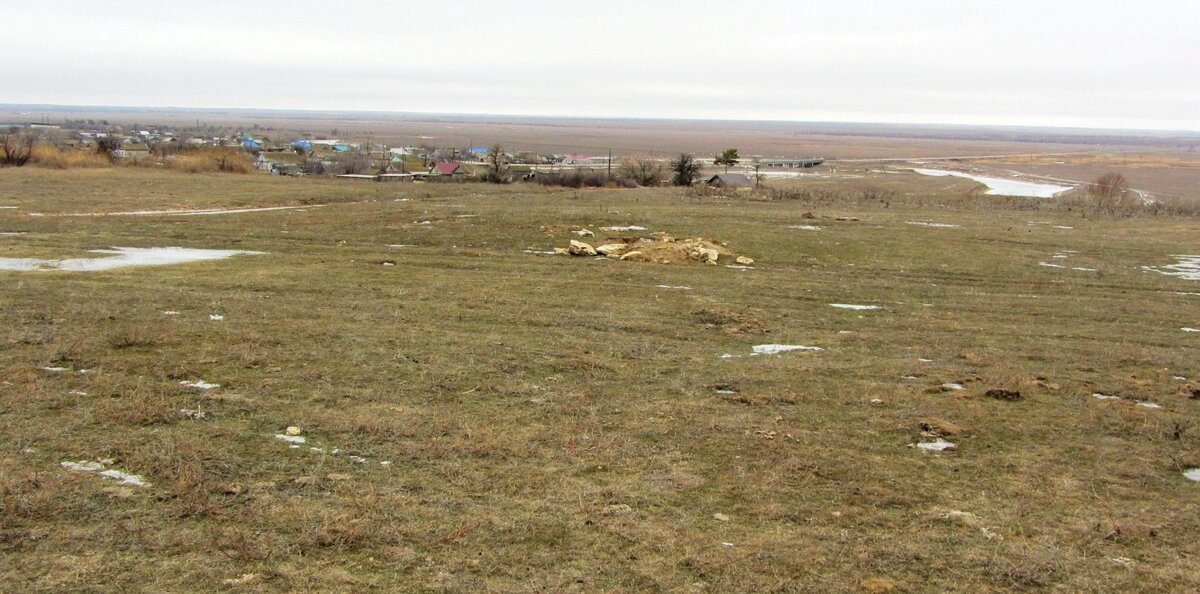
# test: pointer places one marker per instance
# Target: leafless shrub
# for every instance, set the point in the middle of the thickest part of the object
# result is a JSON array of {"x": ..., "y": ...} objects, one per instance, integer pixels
[
  {"x": 15, "y": 149},
  {"x": 643, "y": 172}
]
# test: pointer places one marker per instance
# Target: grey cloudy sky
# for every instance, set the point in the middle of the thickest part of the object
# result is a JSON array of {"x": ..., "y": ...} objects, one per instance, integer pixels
[{"x": 1100, "y": 63}]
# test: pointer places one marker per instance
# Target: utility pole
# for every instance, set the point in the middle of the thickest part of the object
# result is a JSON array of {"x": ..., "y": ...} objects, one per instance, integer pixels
[{"x": 609, "y": 163}]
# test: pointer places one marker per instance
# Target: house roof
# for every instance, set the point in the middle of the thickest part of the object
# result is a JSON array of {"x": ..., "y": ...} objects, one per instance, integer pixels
[
  {"x": 446, "y": 168},
  {"x": 731, "y": 180}
]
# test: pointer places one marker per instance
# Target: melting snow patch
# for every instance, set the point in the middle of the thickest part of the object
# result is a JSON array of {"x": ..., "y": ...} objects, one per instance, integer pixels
[
  {"x": 124, "y": 477},
  {"x": 1186, "y": 267},
  {"x": 216, "y": 317},
  {"x": 805, "y": 227},
  {"x": 1062, "y": 227},
  {"x": 55, "y": 369},
  {"x": 1099, "y": 396},
  {"x": 679, "y": 287},
  {"x": 1192, "y": 474},
  {"x": 1190, "y": 329},
  {"x": 931, "y": 224},
  {"x": 629, "y": 228},
  {"x": 170, "y": 313},
  {"x": 77, "y": 393},
  {"x": 775, "y": 349},
  {"x": 541, "y": 252},
  {"x": 739, "y": 267},
  {"x": 940, "y": 445},
  {"x": 952, "y": 386},
  {"x": 296, "y": 439},
  {"x": 925, "y": 360},
  {"x": 1151, "y": 405},
  {"x": 123, "y": 256},
  {"x": 200, "y": 385},
  {"x": 854, "y": 307}
]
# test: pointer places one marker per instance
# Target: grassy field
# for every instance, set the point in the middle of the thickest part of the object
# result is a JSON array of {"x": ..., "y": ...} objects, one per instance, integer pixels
[{"x": 559, "y": 424}]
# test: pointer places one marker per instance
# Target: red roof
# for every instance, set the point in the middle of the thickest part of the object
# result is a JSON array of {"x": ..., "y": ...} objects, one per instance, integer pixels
[{"x": 447, "y": 168}]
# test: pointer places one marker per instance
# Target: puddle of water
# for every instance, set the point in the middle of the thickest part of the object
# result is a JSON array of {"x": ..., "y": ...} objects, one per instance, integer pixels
[
  {"x": 122, "y": 257},
  {"x": 1003, "y": 187},
  {"x": 940, "y": 445},
  {"x": 930, "y": 224},
  {"x": 1186, "y": 267},
  {"x": 854, "y": 307}
]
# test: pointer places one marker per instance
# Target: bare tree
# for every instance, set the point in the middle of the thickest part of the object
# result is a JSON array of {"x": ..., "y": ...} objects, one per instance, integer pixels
[
  {"x": 643, "y": 172},
  {"x": 497, "y": 165},
  {"x": 1110, "y": 186},
  {"x": 685, "y": 169},
  {"x": 355, "y": 163},
  {"x": 15, "y": 149}
]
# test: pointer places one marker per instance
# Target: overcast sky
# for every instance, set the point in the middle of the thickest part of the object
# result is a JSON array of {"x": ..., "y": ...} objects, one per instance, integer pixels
[{"x": 1096, "y": 63}]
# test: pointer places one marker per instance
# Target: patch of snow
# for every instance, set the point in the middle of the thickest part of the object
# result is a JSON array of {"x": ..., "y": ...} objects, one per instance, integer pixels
[
  {"x": 854, "y": 307},
  {"x": 925, "y": 360},
  {"x": 216, "y": 317},
  {"x": 1190, "y": 329},
  {"x": 540, "y": 252},
  {"x": 188, "y": 213},
  {"x": 170, "y": 313},
  {"x": 940, "y": 445},
  {"x": 739, "y": 267},
  {"x": 932, "y": 224},
  {"x": 1062, "y": 227},
  {"x": 1099, "y": 396},
  {"x": 805, "y": 227},
  {"x": 200, "y": 385},
  {"x": 1180, "y": 378},
  {"x": 290, "y": 438},
  {"x": 952, "y": 386},
  {"x": 629, "y": 228},
  {"x": 1003, "y": 187},
  {"x": 124, "y": 256},
  {"x": 726, "y": 392},
  {"x": 1186, "y": 267},
  {"x": 1192, "y": 474},
  {"x": 775, "y": 349},
  {"x": 77, "y": 393},
  {"x": 82, "y": 466},
  {"x": 55, "y": 369},
  {"x": 1150, "y": 405},
  {"x": 679, "y": 287},
  {"x": 124, "y": 477}
]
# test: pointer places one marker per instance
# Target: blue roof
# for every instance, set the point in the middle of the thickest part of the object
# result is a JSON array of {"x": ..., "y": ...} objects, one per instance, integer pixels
[
  {"x": 250, "y": 144},
  {"x": 478, "y": 151},
  {"x": 302, "y": 144}
]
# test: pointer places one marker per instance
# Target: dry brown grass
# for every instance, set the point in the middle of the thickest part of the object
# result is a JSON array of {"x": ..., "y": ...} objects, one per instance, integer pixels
[
  {"x": 54, "y": 158},
  {"x": 210, "y": 160},
  {"x": 553, "y": 424}
]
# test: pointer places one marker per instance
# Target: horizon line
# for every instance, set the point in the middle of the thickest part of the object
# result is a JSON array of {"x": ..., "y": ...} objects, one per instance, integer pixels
[{"x": 861, "y": 122}]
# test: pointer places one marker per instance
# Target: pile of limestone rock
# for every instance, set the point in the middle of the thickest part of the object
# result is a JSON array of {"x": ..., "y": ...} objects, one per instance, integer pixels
[{"x": 660, "y": 248}]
